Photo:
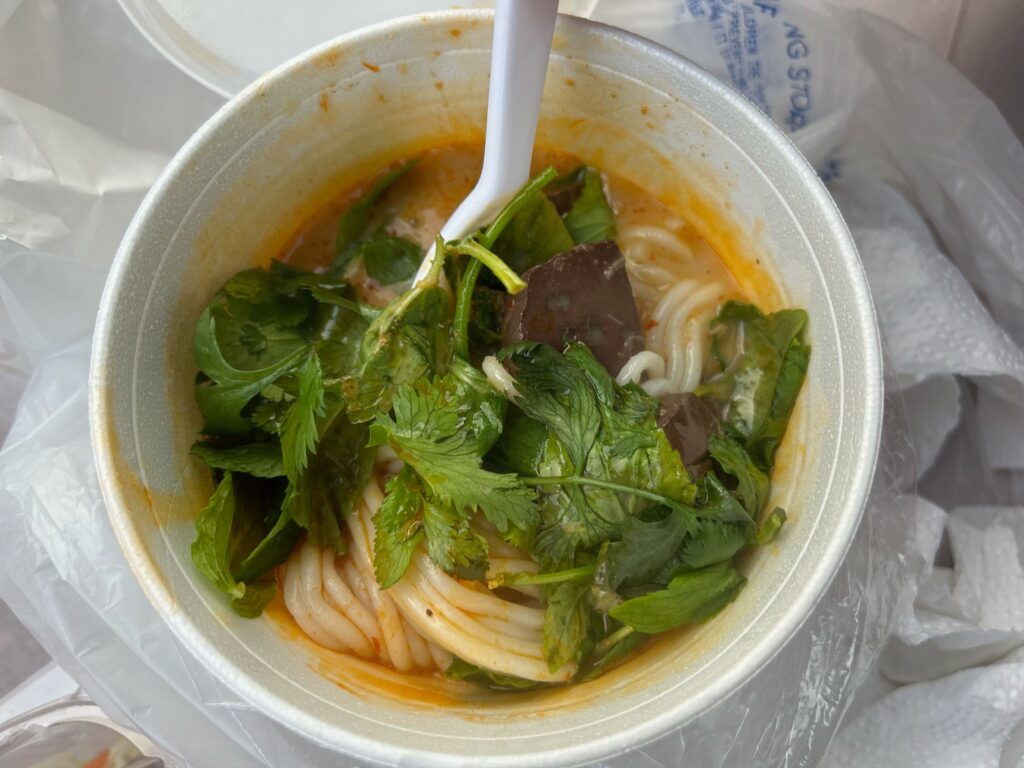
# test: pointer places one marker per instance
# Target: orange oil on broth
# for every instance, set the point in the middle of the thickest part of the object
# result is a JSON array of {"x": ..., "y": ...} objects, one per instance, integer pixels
[{"x": 421, "y": 202}]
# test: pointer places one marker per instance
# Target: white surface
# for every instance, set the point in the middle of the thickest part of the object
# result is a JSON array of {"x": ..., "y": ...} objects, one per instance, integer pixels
[
  {"x": 213, "y": 41},
  {"x": 84, "y": 78},
  {"x": 49, "y": 683}
]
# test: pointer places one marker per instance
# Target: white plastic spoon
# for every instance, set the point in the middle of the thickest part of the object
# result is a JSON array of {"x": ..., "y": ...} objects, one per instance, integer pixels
[{"x": 519, "y": 61}]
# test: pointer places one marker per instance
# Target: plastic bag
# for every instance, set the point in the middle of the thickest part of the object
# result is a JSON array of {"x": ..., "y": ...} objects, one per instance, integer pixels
[{"x": 73, "y": 170}]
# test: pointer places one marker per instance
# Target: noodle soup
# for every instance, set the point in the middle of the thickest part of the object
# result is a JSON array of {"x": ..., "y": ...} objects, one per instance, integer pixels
[{"x": 510, "y": 460}]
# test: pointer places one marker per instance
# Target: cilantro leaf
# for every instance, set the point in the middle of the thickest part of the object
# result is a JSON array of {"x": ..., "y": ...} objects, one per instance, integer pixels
[
  {"x": 452, "y": 543},
  {"x": 259, "y": 328},
  {"x": 429, "y": 434},
  {"x": 689, "y": 598},
  {"x": 229, "y": 389},
  {"x": 323, "y": 495},
  {"x": 337, "y": 320},
  {"x": 555, "y": 392},
  {"x": 566, "y": 620},
  {"x": 264, "y": 315},
  {"x": 604, "y": 459},
  {"x": 409, "y": 514},
  {"x": 268, "y": 415},
  {"x": 337, "y": 331},
  {"x": 299, "y": 429},
  {"x": 256, "y": 459},
  {"x": 481, "y": 409},
  {"x": 399, "y": 527},
  {"x": 257, "y": 322},
  {"x": 408, "y": 340},
  {"x": 441, "y": 430}
]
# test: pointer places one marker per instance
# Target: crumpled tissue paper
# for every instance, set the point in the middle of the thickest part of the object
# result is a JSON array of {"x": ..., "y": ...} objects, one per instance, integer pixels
[{"x": 931, "y": 181}]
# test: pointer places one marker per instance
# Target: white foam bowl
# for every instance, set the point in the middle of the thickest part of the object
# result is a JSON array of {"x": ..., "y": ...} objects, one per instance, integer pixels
[{"x": 246, "y": 181}]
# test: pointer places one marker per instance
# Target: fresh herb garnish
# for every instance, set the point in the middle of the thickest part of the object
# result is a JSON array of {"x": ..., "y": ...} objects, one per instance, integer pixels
[
  {"x": 216, "y": 546},
  {"x": 407, "y": 341},
  {"x": 399, "y": 527},
  {"x": 390, "y": 260},
  {"x": 689, "y": 598},
  {"x": 603, "y": 459},
  {"x": 441, "y": 431},
  {"x": 300, "y": 384},
  {"x": 228, "y": 390},
  {"x": 485, "y": 678},
  {"x": 590, "y": 219},
  {"x": 468, "y": 290},
  {"x": 280, "y": 420},
  {"x": 764, "y": 359},
  {"x": 752, "y": 483},
  {"x": 566, "y": 621},
  {"x": 355, "y": 222},
  {"x": 533, "y": 234},
  {"x": 299, "y": 428},
  {"x": 609, "y": 652},
  {"x": 256, "y": 459}
]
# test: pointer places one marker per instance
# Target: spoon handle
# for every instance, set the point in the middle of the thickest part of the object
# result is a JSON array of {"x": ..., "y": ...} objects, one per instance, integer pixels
[
  {"x": 519, "y": 61},
  {"x": 523, "y": 30}
]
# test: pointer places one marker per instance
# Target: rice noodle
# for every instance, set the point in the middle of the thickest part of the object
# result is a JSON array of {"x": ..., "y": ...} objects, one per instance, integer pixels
[
  {"x": 642, "y": 365},
  {"x": 417, "y": 647},
  {"x": 346, "y": 602},
  {"x": 515, "y": 630},
  {"x": 442, "y": 658},
  {"x": 498, "y": 376},
  {"x": 679, "y": 311},
  {"x": 294, "y": 597},
  {"x": 497, "y": 546},
  {"x": 426, "y": 618},
  {"x": 478, "y": 601},
  {"x": 643, "y": 236}
]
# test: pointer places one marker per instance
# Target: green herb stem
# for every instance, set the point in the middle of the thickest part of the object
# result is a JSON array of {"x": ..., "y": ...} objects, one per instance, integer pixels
[
  {"x": 513, "y": 283},
  {"x": 440, "y": 252},
  {"x": 480, "y": 249},
  {"x": 464, "y": 307},
  {"x": 608, "y": 485},
  {"x": 536, "y": 184},
  {"x": 554, "y": 577},
  {"x": 609, "y": 642},
  {"x": 363, "y": 310}
]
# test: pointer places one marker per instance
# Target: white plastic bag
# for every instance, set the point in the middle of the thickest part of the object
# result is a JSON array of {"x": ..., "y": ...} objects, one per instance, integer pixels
[{"x": 910, "y": 148}]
